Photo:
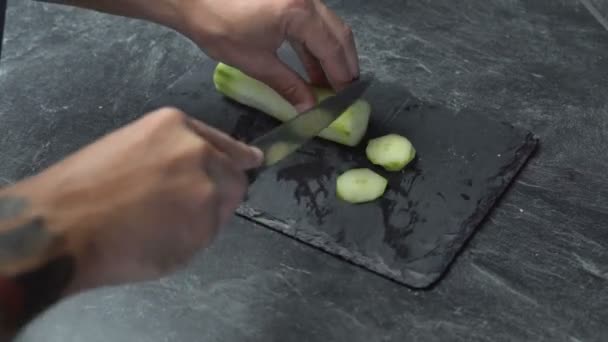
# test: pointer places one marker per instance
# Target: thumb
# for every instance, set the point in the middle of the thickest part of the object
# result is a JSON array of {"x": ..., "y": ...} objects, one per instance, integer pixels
[{"x": 285, "y": 81}]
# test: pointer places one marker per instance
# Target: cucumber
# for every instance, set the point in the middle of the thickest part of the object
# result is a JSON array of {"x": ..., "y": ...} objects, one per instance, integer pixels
[
  {"x": 360, "y": 185},
  {"x": 393, "y": 152},
  {"x": 347, "y": 130},
  {"x": 277, "y": 152}
]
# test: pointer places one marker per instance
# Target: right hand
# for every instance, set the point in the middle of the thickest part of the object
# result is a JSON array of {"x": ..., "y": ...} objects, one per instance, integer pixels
[{"x": 141, "y": 201}]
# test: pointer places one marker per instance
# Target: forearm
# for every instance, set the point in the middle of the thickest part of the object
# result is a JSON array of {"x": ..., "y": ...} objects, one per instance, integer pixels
[
  {"x": 164, "y": 12},
  {"x": 35, "y": 271}
]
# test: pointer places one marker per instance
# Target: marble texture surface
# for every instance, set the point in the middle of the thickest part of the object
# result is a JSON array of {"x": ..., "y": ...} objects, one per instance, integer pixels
[{"x": 536, "y": 271}]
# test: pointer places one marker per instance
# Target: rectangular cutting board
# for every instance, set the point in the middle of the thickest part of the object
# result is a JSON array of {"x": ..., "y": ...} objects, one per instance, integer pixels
[{"x": 465, "y": 161}]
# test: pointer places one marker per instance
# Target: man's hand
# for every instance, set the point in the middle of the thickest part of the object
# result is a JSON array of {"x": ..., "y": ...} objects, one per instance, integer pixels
[
  {"x": 149, "y": 195},
  {"x": 132, "y": 206},
  {"x": 247, "y": 34}
]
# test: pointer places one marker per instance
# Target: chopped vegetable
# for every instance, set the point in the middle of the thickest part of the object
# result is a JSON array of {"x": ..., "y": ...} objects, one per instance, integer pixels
[
  {"x": 348, "y": 129},
  {"x": 277, "y": 152},
  {"x": 360, "y": 185},
  {"x": 393, "y": 152}
]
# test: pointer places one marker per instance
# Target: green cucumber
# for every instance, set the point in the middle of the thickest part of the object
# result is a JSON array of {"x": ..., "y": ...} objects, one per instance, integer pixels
[
  {"x": 277, "y": 152},
  {"x": 348, "y": 129},
  {"x": 393, "y": 152},
  {"x": 360, "y": 185}
]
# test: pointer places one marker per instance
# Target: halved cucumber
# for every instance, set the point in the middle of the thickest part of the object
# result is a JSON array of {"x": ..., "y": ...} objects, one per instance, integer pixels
[
  {"x": 360, "y": 185},
  {"x": 393, "y": 152},
  {"x": 348, "y": 129}
]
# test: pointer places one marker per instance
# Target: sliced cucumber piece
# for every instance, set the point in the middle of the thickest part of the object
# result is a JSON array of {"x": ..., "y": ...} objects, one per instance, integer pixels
[
  {"x": 277, "y": 152},
  {"x": 360, "y": 185},
  {"x": 393, "y": 152},
  {"x": 348, "y": 129}
]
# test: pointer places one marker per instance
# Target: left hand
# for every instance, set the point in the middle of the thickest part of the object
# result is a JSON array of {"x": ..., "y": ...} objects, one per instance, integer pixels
[{"x": 247, "y": 34}]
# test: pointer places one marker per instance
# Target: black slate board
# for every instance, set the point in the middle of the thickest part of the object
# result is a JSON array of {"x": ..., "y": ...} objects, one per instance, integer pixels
[{"x": 465, "y": 161}]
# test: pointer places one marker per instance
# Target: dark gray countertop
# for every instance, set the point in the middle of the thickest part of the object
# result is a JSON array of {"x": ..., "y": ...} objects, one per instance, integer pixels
[{"x": 536, "y": 271}]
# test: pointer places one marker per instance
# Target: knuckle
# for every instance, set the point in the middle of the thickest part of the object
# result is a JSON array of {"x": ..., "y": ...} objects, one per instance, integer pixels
[
  {"x": 201, "y": 149},
  {"x": 206, "y": 192},
  {"x": 169, "y": 114},
  {"x": 188, "y": 156},
  {"x": 191, "y": 147},
  {"x": 347, "y": 33},
  {"x": 164, "y": 117}
]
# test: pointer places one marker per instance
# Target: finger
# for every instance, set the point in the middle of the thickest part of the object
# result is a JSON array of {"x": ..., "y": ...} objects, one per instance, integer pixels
[
  {"x": 269, "y": 69},
  {"x": 316, "y": 35},
  {"x": 244, "y": 156},
  {"x": 229, "y": 180},
  {"x": 344, "y": 33},
  {"x": 313, "y": 67}
]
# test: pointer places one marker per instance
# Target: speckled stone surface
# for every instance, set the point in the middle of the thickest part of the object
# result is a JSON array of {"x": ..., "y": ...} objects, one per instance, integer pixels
[
  {"x": 598, "y": 9},
  {"x": 536, "y": 271}
]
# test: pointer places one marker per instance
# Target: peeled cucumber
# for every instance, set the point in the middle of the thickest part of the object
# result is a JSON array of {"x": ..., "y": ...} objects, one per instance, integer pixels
[
  {"x": 277, "y": 152},
  {"x": 393, "y": 152},
  {"x": 347, "y": 130},
  {"x": 360, "y": 185}
]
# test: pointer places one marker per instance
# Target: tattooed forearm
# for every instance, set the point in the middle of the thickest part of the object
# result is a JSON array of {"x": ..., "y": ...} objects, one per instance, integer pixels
[
  {"x": 24, "y": 238},
  {"x": 25, "y": 241},
  {"x": 34, "y": 273},
  {"x": 10, "y": 207}
]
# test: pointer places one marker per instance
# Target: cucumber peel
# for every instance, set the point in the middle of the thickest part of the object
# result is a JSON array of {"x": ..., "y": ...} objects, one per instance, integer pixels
[
  {"x": 393, "y": 152},
  {"x": 360, "y": 185},
  {"x": 348, "y": 129}
]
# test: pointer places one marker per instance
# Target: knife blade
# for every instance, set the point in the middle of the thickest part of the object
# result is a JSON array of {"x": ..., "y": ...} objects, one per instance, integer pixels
[{"x": 287, "y": 138}]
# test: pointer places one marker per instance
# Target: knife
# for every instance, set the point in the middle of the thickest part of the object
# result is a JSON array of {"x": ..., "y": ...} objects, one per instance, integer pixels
[{"x": 295, "y": 133}]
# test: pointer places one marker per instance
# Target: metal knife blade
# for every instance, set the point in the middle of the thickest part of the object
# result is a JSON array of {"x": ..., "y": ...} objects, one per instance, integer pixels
[{"x": 293, "y": 134}]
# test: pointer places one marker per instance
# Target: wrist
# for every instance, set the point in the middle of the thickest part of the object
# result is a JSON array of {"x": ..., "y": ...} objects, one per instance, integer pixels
[
  {"x": 39, "y": 258},
  {"x": 194, "y": 20},
  {"x": 174, "y": 14},
  {"x": 164, "y": 12},
  {"x": 169, "y": 13}
]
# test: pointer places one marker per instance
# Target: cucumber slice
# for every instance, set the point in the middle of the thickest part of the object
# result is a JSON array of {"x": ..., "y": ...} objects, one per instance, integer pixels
[
  {"x": 393, "y": 152},
  {"x": 360, "y": 185},
  {"x": 347, "y": 130},
  {"x": 277, "y": 152}
]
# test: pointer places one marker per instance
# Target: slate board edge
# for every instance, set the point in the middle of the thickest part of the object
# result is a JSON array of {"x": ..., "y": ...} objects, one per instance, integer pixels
[
  {"x": 527, "y": 150},
  {"x": 290, "y": 229}
]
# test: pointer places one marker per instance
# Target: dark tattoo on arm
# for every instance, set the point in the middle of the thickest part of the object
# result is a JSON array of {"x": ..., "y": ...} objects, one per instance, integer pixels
[
  {"x": 32, "y": 290},
  {"x": 25, "y": 241},
  {"x": 23, "y": 237},
  {"x": 11, "y": 207}
]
